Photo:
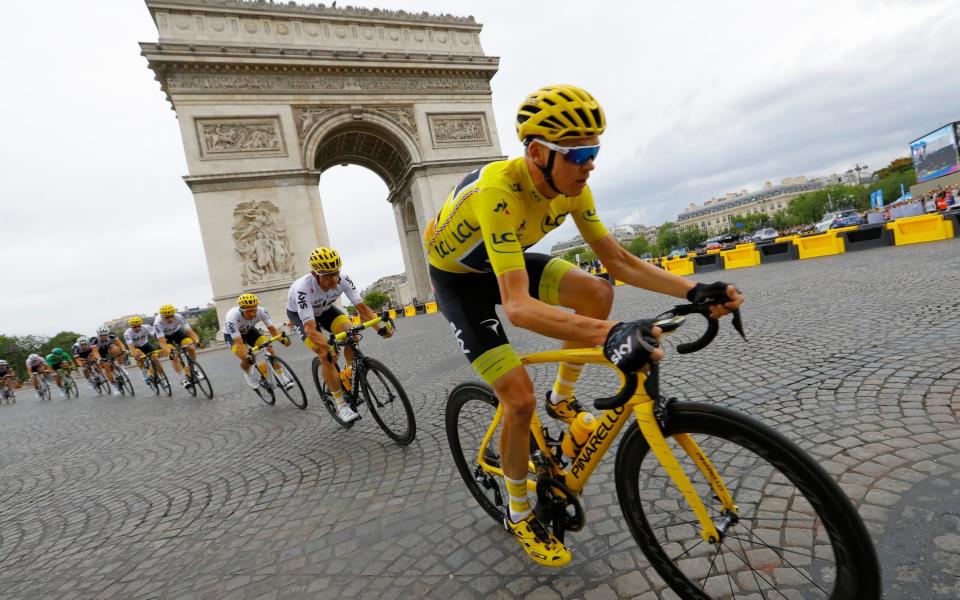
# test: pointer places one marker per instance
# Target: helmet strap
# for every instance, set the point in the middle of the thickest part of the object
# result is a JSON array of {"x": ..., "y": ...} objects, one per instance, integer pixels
[{"x": 547, "y": 171}]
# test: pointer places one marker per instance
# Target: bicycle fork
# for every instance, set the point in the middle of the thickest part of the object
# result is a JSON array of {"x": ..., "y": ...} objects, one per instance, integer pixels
[{"x": 649, "y": 427}]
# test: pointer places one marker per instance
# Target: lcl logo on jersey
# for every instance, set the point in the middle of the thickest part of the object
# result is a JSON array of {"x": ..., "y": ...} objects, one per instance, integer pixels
[
  {"x": 501, "y": 207},
  {"x": 550, "y": 223},
  {"x": 503, "y": 238},
  {"x": 590, "y": 215}
]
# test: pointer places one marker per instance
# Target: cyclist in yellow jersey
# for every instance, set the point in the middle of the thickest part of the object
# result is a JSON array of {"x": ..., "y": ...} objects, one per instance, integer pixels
[{"x": 476, "y": 248}]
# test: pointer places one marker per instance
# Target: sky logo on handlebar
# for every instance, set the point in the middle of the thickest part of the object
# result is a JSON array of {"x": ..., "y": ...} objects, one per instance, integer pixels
[{"x": 622, "y": 352}]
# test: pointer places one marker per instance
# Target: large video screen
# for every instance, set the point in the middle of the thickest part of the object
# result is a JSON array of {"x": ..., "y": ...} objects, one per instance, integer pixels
[{"x": 935, "y": 154}]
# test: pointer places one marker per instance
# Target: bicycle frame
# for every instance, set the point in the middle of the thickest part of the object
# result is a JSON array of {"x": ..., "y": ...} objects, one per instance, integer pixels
[{"x": 609, "y": 425}]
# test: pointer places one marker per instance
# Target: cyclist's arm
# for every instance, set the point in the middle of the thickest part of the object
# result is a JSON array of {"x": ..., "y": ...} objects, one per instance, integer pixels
[
  {"x": 529, "y": 313},
  {"x": 629, "y": 269},
  {"x": 365, "y": 313},
  {"x": 314, "y": 334}
]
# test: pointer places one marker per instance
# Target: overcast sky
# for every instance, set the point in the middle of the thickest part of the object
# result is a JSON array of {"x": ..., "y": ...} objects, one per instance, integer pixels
[{"x": 702, "y": 98}]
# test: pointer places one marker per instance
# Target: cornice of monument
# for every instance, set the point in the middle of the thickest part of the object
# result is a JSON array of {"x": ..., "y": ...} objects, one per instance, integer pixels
[{"x": 313, "y": 10}]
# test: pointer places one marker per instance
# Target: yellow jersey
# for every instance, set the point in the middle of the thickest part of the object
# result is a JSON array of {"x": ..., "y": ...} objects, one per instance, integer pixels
[{"x": 495, "y": 213}]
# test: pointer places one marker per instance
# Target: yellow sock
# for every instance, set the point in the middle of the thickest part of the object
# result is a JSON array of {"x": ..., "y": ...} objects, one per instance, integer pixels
[
  {"x": 338, "y": 399},
  {"x": 567, "y": 375},
  {"x": 519, "y": 502}
]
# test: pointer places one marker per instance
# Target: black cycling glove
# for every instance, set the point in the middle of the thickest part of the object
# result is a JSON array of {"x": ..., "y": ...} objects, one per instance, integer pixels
[
  {"x": 709, "y": 293},
  {"x": 629, "y": 345}
]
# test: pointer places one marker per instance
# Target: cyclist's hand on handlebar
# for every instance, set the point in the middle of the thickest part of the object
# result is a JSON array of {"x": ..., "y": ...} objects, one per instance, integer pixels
[
  {"x": 631, "y": 346},
  {"x": 724, "y": 297},
  {"x": 284, "y": 339},
  {"x": 386, "y": 331}
]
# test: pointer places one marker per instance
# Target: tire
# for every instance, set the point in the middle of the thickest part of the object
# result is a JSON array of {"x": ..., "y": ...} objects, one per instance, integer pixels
[
  {"x": 70, "y": 384},
  {"x": 200, "y": 380},
  {"x": 388, "y": 402},
  {"x": 126, "y": 386},
  {"x": 325, "y": 396},
  {"x": 44, "y": 389},
  {"x": 150, "y": 380},
  {"x": 162, "y": 381},
  {"x": 296, "y": 395},
  {"x": 817, "y": 548},
  {"x": 265, "y": 391},
  {"x": 468, "y": 413}
]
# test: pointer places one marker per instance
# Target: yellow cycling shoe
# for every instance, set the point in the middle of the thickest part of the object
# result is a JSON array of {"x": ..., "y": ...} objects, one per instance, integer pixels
[
  {"x": 565, "y": 410},
  {"x": 539, "y": 544}
]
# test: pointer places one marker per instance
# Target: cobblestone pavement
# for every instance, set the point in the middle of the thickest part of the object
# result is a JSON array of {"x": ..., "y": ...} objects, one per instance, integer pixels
[{"x": 853, "y": 356}]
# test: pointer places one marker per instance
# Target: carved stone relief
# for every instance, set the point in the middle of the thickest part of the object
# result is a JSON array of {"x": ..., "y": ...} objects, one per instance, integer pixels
[
  {"x": 261, "y": 240},
  {"x": 177, "y": 82},
  {"x": 458, "y": 129},
  {"x": 254, "y": 136},
  {"x": 307, "y": 116}
]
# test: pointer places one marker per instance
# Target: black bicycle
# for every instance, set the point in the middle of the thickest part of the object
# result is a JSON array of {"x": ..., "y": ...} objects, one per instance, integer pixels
[
  {"x": 69, "y": 384},
  {"x": 96, "y": 378},
  {"x": 9, "y": 396},
  {"x": 370, "y": 383},
  {"x": 276, "y": 374},
  {"x": 153, "y": 375},
  {"x": 196, "y": 376}
]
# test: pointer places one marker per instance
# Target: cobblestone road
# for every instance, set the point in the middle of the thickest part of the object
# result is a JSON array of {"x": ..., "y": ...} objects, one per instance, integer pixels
[{"x": 855, "y": 357}]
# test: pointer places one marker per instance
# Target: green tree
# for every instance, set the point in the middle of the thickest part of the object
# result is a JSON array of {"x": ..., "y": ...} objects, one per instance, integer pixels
[
  {"x": 351, "y": 310},
  {"x": 571, "y": 254},
  {"x": 63, "y": 340},
  {"x": 667, "y": 238},
  {"x": 897, "y": 165},
  {"x": 207, "y": 325},
  {"x": 639, "y": 246},
  {"x": 376, "y": 299},
  {"x": 691, "y": 237}
]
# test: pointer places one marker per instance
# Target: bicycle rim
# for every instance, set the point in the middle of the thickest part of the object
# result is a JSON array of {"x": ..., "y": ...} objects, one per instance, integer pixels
[
  {"x": 388, "y": 402},
  {"x": 126, "y": 386},
  {"x": 163, "y": 382},
  {"x": 325, "y": 396},
  {"x": 200, "y": 379},
  {"x": 796, "y": 535},
  {"x": 295, "y": 395},
  {"x": 265, "y": 392},
  {"x": 469, "y": 412},
  {"x": 71, "y": 385}
]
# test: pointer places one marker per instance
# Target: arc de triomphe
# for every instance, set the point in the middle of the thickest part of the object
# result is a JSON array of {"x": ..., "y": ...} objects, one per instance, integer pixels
[{"x": 268, "y": 95}]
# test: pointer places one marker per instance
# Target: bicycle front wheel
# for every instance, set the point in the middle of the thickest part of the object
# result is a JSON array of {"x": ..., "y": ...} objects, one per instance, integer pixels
[
  {"x": 69, "y": 384},
  {"x": 126, "y": 386},
  {"x": 200, "y": 379},
  {"x": 295, "y": 394},
  {"x": 794, "y": 534},
  {"x": 388, "y": 402},
  {"x": 326, "y": 397},
  {"x": 469, "y": 412},
  {"x": 44, "y": 389}
]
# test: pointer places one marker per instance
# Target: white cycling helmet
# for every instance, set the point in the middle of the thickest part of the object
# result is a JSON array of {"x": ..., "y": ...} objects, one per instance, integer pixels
[
  {"x": 3, "y": 363},
  {"x": 33, "y": 356},
  {"x": 102, "y": 330},
  {"x": 83, "y": 340}
]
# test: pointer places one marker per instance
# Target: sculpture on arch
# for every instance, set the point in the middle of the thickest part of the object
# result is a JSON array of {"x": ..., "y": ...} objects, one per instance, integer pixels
[{"x": 262, "y": 242}]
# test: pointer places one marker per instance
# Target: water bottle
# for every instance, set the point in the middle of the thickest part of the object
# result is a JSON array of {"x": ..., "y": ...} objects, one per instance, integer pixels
[
  {"x": 581, "y": 428},
  {"x": 345, "y": 378}
]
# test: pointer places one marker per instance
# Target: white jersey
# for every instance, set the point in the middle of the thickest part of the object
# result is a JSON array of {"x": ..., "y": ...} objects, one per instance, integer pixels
[
  {"x": 309, "y": 301},
  {"x": 34, "y": 360},
  {"x": 163, "y": 328},
  {"x": 235, "y": 324},
  {"x": 138, "y": 338}
]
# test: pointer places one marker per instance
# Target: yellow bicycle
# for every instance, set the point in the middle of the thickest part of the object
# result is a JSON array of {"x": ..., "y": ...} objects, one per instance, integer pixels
[{"x": 722, "y": 505}]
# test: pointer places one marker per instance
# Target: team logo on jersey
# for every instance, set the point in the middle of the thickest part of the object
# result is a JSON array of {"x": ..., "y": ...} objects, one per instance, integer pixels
[
  {"x": 501, "y": 239},
  {"x": 302, "y": 300},
  {"x": 456, "y": 334},
  {"x": 491, "y": 324},
  {"x": 501, "y": 207},
  {"x": 590, "y": 215},
  {"x": 550, "y": 223}
]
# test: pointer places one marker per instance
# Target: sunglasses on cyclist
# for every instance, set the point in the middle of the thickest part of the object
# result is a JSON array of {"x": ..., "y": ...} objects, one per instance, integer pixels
[{"x": 577, "y": 155}]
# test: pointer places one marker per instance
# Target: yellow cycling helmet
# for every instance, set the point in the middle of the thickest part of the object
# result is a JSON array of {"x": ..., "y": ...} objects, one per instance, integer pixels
[
  {"x": 562, "y": 111},
  {"x": 134, "y": 321},
  {"x": 168, "y": 310},
  {"x": 324, "y": 260},
  {"x": 246, "y": 301}
]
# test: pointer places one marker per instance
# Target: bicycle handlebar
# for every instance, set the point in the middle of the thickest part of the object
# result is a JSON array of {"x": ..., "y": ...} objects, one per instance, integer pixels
[
  {"x": 342, "y": 336},
  {"x": 269, "y": 341}
]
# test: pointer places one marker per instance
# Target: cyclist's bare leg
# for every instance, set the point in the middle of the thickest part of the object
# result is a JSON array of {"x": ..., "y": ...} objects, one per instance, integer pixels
[
  {"x": 347, "y": 351},
  {"x": 515, "y": 392}
]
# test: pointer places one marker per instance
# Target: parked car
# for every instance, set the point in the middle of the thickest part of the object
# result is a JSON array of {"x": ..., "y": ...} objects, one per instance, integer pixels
[
  {"x": 842, "y": 218},
  {"x": 764, "y": 235}
]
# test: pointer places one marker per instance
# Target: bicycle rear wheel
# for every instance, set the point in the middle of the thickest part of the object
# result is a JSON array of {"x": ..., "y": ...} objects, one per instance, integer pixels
[
  {"x": 326, "y": 397},
  {"x": 160, "y": 377},
  {"x": 795, "y": 533},
  {"x": 295, "y": 394},
  {"x": 469, "y": 412},
  {"x": 126, "y": 386},
  {"x": 265, "y": 390},
  {"x": 388, "y": 402},
  {"x": 44, "y": 389}
]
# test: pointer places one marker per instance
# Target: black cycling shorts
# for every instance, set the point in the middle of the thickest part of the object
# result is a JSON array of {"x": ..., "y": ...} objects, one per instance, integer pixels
[
  {"x": 249, "y": 337},
  {"x": 146, "y": 348},
  {"x": 326, "y": 320},
  {"x": 468, "y": 301},
  {"x": 176, "y": 338}
]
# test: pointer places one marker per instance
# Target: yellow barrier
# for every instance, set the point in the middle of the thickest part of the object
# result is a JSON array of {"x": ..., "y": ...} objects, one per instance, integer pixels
[
  {"x": 824, "y": 244},
  {"x": 922, "y": 228},
  {"x": 680, "y": 265},
  {"x": 787, "y": 238},
  {"x": 409, "y": 311},
  {"x": 750, "y": 245},
  {"x": 691, "y": 254},
  {"x": 714, "y": 251},
  {"x": 431, "y": 307},
  {"x": 840, "y": 230},
  {"x": 355, "y": 320},
  {"x": 744, "y": 255},
  {"x": 392, "y": 313}
]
